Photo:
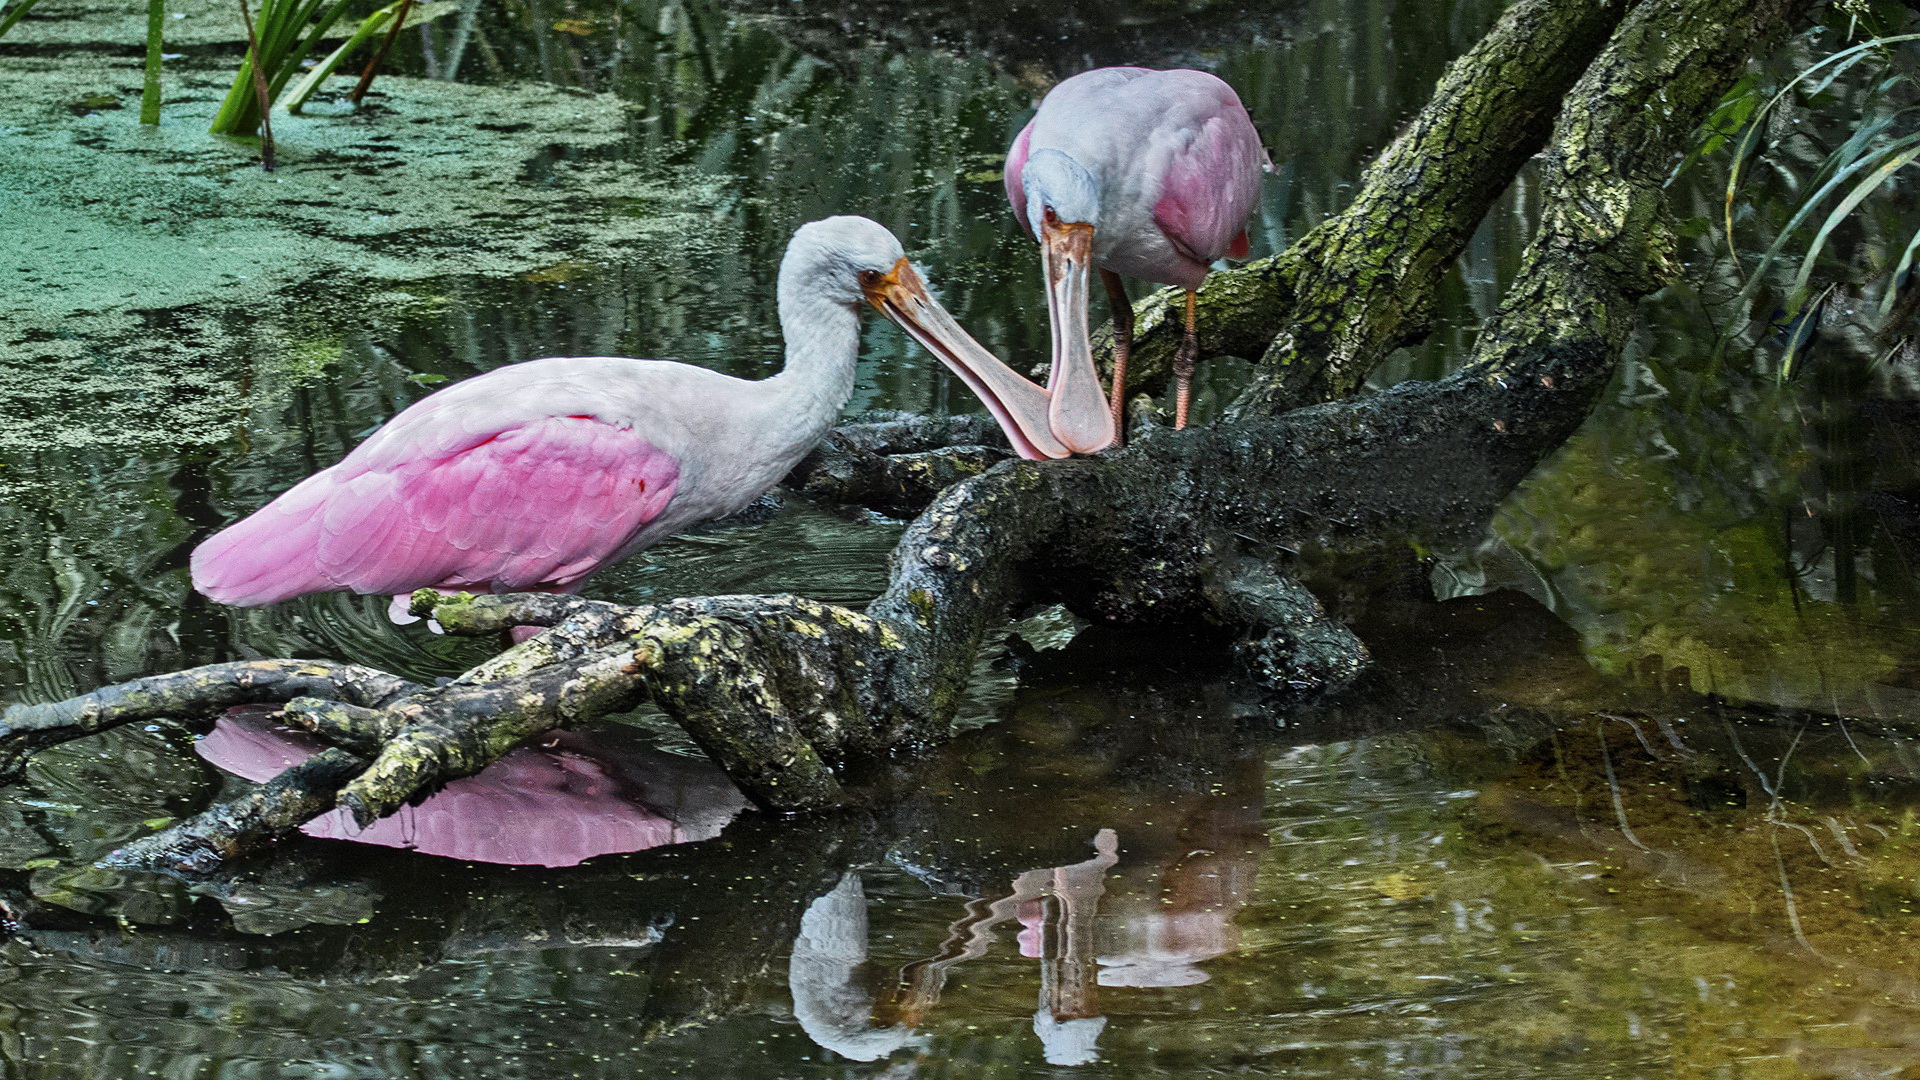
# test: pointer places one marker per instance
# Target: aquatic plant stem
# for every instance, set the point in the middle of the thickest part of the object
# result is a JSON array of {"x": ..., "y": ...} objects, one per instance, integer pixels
[
  {"x": 14, "y": 14},
  {"x": 150, "y": 92},
  {"x": 280, "y": 47},
  {"x": 380, "y": 55},
  {"x": 296, "y": 99},
  {"x": 259, "y": 90}
]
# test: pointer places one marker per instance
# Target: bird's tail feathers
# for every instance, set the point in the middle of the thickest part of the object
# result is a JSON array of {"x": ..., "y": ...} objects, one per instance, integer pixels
[{"x": 263, "y": 558}]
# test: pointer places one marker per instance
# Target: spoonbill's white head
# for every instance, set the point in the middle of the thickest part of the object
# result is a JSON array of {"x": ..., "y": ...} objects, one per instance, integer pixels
[
  {"x": 827, "y": 257},
  {"x": 850, "y": 259}
]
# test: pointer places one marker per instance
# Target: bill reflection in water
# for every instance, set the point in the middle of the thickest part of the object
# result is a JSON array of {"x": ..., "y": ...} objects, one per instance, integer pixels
[{"x": 1148, "y": 909}]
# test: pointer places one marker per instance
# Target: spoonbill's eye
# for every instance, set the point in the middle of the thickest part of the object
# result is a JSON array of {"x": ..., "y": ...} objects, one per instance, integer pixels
[
  {"x": 869, "y": 278},
  {"x": 1052, "y": 218}
]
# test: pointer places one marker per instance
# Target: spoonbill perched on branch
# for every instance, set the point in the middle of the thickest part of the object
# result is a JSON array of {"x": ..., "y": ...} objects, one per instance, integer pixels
[
  {"x": 533, "y": 476},
  {"x": 1150, "y": 174}
]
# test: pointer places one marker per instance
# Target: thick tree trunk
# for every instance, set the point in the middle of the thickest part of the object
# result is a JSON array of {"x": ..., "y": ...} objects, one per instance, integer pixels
[{"x": 789, "y": 695}]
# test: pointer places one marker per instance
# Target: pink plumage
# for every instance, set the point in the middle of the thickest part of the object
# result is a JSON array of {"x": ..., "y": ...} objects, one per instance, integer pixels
[
  {"x": 1210, "y": 189},
  {"x": 1010, "y": 175},
  {"x": 1175, "y": 157},
  {"x": 441, "y": 498}
]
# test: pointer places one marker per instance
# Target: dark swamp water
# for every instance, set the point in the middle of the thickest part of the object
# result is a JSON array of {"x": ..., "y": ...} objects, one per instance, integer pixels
[{"x": 1639, "y": 801}]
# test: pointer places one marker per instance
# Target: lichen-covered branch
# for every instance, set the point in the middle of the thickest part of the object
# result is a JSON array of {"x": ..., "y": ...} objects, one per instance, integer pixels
[
  {"x": 244, "y": 824},
  {"x": 351, "y": 727},
  {"x": 458, "y": 729},
  {"x": 201, "y": 691}
]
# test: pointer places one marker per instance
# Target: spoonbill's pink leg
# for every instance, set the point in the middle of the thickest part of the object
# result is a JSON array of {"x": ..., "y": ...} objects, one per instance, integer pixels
[{"x": 1183, "y": 365}]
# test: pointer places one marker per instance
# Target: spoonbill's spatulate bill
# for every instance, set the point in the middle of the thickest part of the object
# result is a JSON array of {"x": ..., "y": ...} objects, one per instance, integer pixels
[
  {"x": 535, "y": 475},
  {"x": 1147, "y": 174}
]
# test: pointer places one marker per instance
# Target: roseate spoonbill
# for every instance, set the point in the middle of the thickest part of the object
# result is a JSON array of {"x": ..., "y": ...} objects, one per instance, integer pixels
[
  {"x": 535, "y": 475},
  {"x": 1150, "y": 174}
]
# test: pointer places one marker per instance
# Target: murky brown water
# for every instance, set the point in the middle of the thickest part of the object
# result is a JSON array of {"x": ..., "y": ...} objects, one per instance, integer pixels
[{"x": 1529, "y": 845}]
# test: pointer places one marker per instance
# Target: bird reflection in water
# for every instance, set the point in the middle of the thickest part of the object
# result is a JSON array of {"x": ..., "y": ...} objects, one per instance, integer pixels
[
  {"x": 1146, "y": 911},
  {"x": 572, "y": 796}
]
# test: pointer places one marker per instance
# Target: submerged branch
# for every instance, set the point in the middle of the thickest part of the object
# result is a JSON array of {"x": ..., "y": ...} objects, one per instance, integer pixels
[
  {"x": 248, "y": 822},
  {"x": 458, "y": 729},
  {"x": 899, "y": 462}
]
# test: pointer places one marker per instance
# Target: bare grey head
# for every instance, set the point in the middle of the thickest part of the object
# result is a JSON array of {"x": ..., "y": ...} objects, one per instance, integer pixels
[{"x": 1055, "y": 181}]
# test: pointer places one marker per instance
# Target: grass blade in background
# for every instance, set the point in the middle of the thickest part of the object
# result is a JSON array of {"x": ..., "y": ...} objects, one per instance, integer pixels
[
  {"x": 14, "y": 13},
  {"x": 303, "y": 90},
  {"x": 1866, "y": 187},
  {"x": 1844, "y": 59},
  {"x": 1902, "y": 278},
  {"x": 1879, "y": 145},
  {"x": 1803, "y": 324},
  {"x": 1811, "y": 203},
  {"x": 150, "y": 93},
  {"x": 280, "y": 50}
]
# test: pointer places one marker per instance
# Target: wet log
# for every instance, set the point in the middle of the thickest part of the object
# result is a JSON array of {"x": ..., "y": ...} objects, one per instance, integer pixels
[
  {"x": 898, "y": 462},
  {"x": 791, "y": 696}
]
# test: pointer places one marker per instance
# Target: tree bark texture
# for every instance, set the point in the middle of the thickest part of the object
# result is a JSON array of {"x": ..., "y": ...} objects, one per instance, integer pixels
[{"x": 792, "y": 697}]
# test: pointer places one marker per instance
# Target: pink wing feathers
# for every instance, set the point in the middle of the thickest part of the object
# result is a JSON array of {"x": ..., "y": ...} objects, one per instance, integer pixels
[
  {"x": 1017, "y": 160},
  {"x": 537, "y": 503},
  {"x": 1212, "y": 185}
]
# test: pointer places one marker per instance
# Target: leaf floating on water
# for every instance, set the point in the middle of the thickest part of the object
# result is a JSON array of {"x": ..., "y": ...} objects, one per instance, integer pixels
[
  {"x": 565, "y": 270},
  {"x": 1401, "y": 886},
  {"x": 94, "y": 102}
]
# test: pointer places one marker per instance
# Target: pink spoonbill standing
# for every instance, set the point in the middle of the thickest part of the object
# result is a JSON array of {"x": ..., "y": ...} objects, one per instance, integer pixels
[
  {"x": 535, "y": 475},
  {"x": 1147, "y": 174}
]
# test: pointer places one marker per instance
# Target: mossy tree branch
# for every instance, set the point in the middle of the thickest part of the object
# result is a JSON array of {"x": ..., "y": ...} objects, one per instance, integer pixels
[
  {"x": 198, "y": 692},
  {"x": 1323, "y": 313}
]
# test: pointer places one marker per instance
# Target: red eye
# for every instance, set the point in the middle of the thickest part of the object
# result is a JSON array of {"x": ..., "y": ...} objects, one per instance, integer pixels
[
  {"x": 1052, "y": 218},
  {"x": 869, "y": 278}
]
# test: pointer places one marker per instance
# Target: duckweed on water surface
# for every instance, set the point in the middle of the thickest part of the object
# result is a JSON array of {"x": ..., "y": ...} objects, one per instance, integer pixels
[{"x": 110, "y": 228}]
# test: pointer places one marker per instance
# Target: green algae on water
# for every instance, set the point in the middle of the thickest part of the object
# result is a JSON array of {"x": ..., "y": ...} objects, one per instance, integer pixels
[{"x": 110, "y": 228}]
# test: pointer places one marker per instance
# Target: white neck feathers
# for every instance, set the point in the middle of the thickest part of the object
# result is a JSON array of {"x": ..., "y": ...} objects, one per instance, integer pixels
[{"x": 822, "y": 333}]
